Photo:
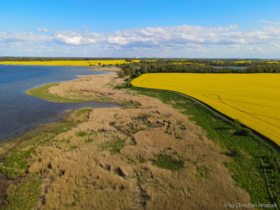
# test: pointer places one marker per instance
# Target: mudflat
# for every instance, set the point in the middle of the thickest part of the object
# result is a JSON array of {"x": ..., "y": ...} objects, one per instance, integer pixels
[{"x": 145, "y": 154}]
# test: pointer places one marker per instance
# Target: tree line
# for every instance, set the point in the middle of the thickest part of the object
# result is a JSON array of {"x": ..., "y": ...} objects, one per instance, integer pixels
[{"x": 136, "y": 69}]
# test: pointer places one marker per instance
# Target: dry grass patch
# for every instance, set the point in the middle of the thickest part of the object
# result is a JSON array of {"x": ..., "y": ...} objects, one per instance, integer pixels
[{"x": 144, "y": 157}]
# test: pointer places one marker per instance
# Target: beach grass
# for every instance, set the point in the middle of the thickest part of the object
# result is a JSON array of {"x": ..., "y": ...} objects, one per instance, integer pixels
[
  {"x": 16, "y": 162},
  {"x": 123, "y": 166},
  {"x": 42, "y": 92}
]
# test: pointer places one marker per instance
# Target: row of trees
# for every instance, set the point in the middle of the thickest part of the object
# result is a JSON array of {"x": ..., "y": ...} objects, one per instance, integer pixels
[
  {"x": 136, "y": 69},
  {"x": 213, "y": 62}
]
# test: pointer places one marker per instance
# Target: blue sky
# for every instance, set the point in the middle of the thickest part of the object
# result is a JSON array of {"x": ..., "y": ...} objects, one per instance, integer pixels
[{"x": 154, "y": 28}]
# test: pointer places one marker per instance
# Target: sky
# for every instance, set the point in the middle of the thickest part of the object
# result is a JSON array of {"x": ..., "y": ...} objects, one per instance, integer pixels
[{"x": 146, "y": 28}]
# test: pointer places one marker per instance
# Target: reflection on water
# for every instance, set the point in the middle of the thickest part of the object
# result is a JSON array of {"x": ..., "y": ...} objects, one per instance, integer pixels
[{"x": 19, "y": 111}]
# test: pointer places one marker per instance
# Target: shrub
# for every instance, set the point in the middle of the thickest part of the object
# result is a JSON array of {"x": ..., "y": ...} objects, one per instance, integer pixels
[{"x": 168, "y": 162}]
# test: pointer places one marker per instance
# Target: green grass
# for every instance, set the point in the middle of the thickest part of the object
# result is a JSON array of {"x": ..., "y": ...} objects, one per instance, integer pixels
[
  {"x": 245, "y": 149},
  {"x": 16, "y": 162},
  {"x": 168, "y": 162},
  {"x": 42, "y": 92},
  {"x": 114, "y": 146},
  {"x": 83, "y": 111},
  {"x": 23, "y": 195},
  {"x": 73, "y": 147},
  {"x": 81, "y": 133},
  {"x": 202, "y": 172},
  {"x": 89, "y": 140}
]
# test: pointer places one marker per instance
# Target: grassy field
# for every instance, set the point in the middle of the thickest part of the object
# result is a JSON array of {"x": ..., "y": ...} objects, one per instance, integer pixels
[
  {"x": 42, "y": 92},
  {"x": 253, "y": 99},
  {"x": 254, "y": 164},
  {"x": 144, "y": 157},
  {"x": 148, "y": 156},
  {"x": 15, "y": 164},
  {"x": 68, "y": 62}
]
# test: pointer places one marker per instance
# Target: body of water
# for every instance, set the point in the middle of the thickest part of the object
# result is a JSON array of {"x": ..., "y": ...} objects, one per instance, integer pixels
[{"x": 19, "y": 111}]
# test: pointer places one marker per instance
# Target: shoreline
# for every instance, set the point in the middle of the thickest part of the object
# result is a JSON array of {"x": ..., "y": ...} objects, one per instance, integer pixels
[{"x": 125, "y": 151}]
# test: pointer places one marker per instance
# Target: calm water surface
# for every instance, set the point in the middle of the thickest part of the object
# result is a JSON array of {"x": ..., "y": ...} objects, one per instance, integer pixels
[{"x": 19, "y": 111}]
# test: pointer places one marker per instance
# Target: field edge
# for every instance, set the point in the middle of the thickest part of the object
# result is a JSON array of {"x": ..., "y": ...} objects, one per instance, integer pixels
[{"x": 245, "y": 160}]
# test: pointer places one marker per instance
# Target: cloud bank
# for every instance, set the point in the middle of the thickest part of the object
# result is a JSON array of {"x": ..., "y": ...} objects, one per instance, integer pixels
[{"x": 177, "y": 41}]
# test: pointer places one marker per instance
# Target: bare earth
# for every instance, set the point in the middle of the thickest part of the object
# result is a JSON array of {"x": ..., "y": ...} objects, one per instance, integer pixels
[{"x": 85, "y": 171}]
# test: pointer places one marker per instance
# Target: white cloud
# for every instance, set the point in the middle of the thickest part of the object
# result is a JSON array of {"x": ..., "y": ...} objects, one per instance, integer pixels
[
  {"x": 184, "y": 35},
  {"x": 77, "y": 38},
  {"x": 270, "y": 22},
  {"x": 148, "y": 41},
  {"x": 23, "y": 37},
  {"x": 42, "y": 30},
  {"x": 72, "y": 40},
  {"x": 118, "y": 40}
]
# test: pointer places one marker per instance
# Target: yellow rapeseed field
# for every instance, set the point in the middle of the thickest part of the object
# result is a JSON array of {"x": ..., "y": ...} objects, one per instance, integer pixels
[
  {"x": 67, "y": 63},
  {"x": 242, "y": 62},
  {"x": 274, "y": 62},
  {"x": 253, "y": 99}
]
